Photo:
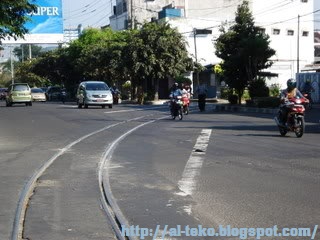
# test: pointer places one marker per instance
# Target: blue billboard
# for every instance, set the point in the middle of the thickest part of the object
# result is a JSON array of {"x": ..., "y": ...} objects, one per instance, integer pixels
[
  {"x": 46, "y": 24},
  {"x": 47, "y": 18}
]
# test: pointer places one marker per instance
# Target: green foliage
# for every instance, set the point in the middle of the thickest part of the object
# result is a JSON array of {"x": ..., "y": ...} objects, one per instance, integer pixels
[
  {"x": 244, "y": 50},
  {"x": 23, "y": 52},
  {"x": 5, "y": 79},
  {"x": 183, "y": 80},
  {"x": 143, "y": 57},
  {"x": 274, "y": 90},
  {"x": 258, "y": 88},
  {"x": 224, "y": 92},
  {"x": 155, "y": 52},
  {"x": 13, "y": 17}
]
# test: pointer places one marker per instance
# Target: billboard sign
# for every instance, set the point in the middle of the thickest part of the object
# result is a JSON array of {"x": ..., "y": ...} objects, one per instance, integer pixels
[{"x": 46, "y": 24}]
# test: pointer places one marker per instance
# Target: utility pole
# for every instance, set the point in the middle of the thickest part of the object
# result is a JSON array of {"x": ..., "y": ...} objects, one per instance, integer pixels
[
  {"x": 131, "y": 14},
  {"x": 195, "y": 54},
  {"x": 298, "y": 44},
  {"x": 12, "y": 67},
  {"x": 30, "y": 53}
]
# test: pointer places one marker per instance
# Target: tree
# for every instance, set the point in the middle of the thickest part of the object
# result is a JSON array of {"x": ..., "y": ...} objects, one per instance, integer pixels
[
  {"x": 13, "y": 17},
  {"x": 22, "y": 52},
  {"x": 244, "y": 49},
  {"x": 157, "y": 52}
]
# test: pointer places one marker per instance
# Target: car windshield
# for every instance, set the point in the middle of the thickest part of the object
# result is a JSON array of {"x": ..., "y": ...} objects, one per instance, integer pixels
[
  {"x": 96, "y": 86},
  {"x": 20, "y": 88},
  {"x": 36, "y": 90}
]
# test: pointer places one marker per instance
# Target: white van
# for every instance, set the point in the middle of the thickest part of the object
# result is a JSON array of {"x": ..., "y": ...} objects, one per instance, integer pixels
[{"x": 94, "y": 93}]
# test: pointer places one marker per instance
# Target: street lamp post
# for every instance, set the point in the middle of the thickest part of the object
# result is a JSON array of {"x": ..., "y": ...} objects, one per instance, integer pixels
[
  {"x": 298, "y": 44},
  {"x": 12, "y": 67}
]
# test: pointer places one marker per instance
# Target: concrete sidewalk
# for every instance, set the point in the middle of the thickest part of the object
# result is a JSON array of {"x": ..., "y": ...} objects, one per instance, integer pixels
[{"x": 221, "y": 105}]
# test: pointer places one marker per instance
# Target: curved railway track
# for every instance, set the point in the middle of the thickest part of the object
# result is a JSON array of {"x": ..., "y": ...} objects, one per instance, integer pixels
[{"x": 108, "y": 203}]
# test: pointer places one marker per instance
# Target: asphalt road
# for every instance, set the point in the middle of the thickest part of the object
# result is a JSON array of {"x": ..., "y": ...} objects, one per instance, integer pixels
[{"x": 210, "y": 169}]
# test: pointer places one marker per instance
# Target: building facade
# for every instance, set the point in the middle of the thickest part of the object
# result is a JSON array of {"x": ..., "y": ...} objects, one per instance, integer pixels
[{"x": 289, "y": 23}]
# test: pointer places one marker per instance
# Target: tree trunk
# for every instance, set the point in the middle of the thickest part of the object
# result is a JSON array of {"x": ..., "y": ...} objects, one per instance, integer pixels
[
  {"x": 140, "y": 95},
  {"x": 156, "y": 89}
]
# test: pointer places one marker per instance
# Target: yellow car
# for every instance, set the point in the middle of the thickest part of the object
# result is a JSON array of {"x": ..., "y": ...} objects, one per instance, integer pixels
[{"x": 19, "y": 93}]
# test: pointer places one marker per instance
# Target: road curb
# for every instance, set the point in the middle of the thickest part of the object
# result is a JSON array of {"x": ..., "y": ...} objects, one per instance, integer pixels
[{"x": 231, "y": 108}]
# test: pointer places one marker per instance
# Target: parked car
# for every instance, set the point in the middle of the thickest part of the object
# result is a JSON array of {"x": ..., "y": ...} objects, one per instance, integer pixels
[
  {"x": 38, "y": 95},
  {"x": 3, "y": 93},
  {"x": 19, "y": 93},
  {"x": 44, "y": 89},
  {"x": 94, "y": 93},
  {"x": 53, "y": 93}
]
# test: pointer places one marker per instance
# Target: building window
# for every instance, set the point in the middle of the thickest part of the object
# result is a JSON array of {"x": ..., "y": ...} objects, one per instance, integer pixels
[
  {"x": 275, "y": 31},
  {"x": 290, "y": 32},
  {"x": 304, "y": 1},
  {"x": 305, "y": 33},
  {"x": 124, "y": 6}
]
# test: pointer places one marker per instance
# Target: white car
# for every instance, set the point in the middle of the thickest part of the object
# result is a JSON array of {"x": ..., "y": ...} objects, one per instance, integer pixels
[
  {"x": 38, "y": 95},
  {"x": 94, "y": 93}
]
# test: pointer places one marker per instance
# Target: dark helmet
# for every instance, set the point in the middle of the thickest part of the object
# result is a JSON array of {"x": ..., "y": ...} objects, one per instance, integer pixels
[
  {"x": 175, "y": 86},
  {"x": 291, "y": 83}
]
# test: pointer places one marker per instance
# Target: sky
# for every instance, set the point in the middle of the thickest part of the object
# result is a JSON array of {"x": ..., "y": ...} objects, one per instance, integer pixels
[
  {"x": 96, "y": 13},
  {"x": 89, "y": 13}
]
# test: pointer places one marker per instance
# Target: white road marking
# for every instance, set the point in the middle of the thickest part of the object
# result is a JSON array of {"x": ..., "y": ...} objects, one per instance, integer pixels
[
  {"x": 192, "y": 169},
  {"x": 137, "y": 109}
]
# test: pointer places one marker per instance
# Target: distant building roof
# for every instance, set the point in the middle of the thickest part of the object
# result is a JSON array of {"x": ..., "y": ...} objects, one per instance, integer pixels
[{"x": 311, "y": 67}]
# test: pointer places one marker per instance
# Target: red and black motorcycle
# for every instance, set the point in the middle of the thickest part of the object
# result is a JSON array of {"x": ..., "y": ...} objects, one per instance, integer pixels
[
  {"x": 295, "y": 119},
  {"x": 186, "y": 104}
]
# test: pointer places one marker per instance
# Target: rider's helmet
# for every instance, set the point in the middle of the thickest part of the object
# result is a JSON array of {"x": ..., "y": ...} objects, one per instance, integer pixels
[
  {"x": 308, "y": 81},
  {"x": 291, "y": 84},
  {"x": 175, "y": 86}
]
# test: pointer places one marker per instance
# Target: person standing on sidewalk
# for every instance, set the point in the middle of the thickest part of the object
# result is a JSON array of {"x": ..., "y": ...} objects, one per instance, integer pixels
[{"x": 202, "y": 94}]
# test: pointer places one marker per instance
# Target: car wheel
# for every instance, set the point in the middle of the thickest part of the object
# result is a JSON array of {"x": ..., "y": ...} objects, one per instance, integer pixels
[{"x": 103, "y": 106}]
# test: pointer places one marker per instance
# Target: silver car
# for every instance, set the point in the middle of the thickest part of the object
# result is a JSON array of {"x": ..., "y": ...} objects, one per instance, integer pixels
[{"x": 94, "y": 93}]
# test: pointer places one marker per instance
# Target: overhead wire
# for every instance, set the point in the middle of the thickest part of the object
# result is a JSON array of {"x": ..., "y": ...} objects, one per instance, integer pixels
[{"x": 85, "y": 14}]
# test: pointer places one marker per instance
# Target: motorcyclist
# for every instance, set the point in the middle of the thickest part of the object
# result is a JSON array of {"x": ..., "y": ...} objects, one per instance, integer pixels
[
  {"x": 63, "y": 95},
  {"x": 116, "y": 94},
  {"x": 290, "y": 92},
  {"x": 308, "y": 87},
  {"x": 175, "y": 91}
]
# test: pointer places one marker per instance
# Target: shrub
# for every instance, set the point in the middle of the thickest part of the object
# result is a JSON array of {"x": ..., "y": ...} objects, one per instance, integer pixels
[
  {"x": 267, "y": 102},
  {"x": 233, "y": 99},
  {"x": 274, "y": 90},
  {"x": 224, "y": 92},
  {"x": 258, "y": 88}
]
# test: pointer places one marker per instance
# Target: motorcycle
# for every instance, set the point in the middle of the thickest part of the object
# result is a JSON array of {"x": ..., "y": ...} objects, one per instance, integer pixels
[
  {"x": 295, "y": 119},
  {"x": 307, "y": 95},
  {"x": 185, "y": 104},
  {"x": 63, "y": 96},
  {"x": 176, "y": 107},
  {"x": 116, "y": 96}
]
